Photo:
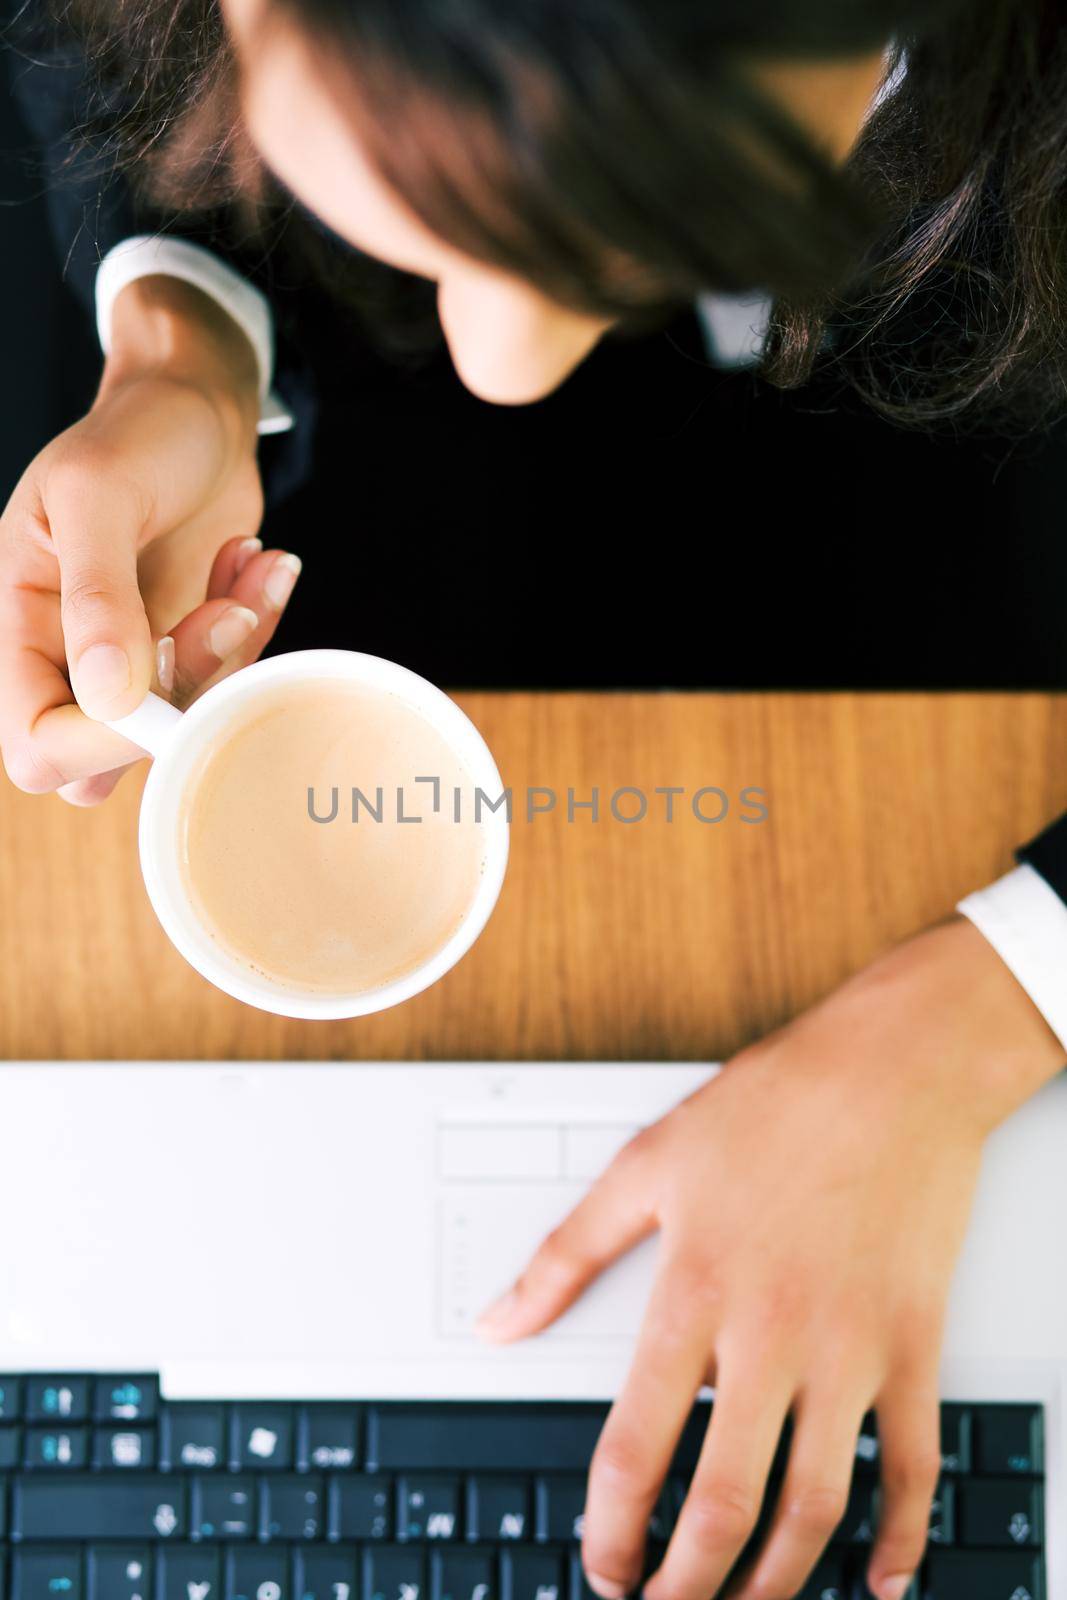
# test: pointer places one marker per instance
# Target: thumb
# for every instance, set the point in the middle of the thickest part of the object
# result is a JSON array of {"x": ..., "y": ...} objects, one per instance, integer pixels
[
  {"x": 106, "y": 633},
  {"x": 615, "y": 1215}
]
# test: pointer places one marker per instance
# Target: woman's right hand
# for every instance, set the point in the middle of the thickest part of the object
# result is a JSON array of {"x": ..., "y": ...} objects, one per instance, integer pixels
[{"x": 135, "y": 525}]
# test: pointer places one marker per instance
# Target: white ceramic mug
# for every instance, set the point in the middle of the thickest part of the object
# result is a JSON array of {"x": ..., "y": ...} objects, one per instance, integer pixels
[{"x": 178, "y": 739}]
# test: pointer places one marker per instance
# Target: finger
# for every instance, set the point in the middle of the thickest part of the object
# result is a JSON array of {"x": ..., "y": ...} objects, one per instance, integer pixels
[
  {"x": 48, "y": 741},
  {"x": 66, "y": 747},
  {"x": 618, "y": 1211},
  {"x": 220, "y": 636},
  {"x": 230, "y": 561},
  {"x": 909, "y": 1434},
  {"x": 266, "y": 583},
  {"x": 723, "y": 1504},
  {"x": 207, "y": 638},
  {"x": 91, "y": 791},
  {"x": 106, "y": 634},
  {"x": 814, "y": 1494},
  {"x": 639, "y": 1438}
]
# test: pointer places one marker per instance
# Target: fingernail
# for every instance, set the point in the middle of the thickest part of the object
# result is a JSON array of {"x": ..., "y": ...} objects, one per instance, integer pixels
[
  {"x": 229, "y": 632},
  {"x": 895, "y": 1588},
  {"x": 102, "y": 673},
  {"x": 165, "y": 663},
  {"x": 278, "y": 584},
  {"x": 607, "y": 1588},
  {"x": 497, "y": 1314},
  {"x": 245, "y": 551}
]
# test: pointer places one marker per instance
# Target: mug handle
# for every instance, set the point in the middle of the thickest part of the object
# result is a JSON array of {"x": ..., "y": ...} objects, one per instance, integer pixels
[{"x": 151, "y": 727}]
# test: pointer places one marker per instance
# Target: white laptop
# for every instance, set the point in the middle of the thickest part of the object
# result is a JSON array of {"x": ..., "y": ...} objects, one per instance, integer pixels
[{"x": 328, "y": 1233}]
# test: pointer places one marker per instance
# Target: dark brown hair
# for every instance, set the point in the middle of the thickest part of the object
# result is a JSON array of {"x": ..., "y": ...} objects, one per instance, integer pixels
[{"x": 619, "y": 154}]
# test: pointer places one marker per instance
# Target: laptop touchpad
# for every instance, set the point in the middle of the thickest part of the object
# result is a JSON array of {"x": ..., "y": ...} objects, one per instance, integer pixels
[{"x": 503, "y": 1187}]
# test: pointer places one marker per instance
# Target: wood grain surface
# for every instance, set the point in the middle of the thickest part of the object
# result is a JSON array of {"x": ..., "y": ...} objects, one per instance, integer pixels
[{"x": 614, "y": 941}]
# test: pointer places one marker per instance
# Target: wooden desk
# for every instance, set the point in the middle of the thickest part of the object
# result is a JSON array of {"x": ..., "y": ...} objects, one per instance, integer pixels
[{"x": 644, "y": 941}]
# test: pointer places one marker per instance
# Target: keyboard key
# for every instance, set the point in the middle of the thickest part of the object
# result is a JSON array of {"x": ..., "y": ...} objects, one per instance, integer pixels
[
  {"x": 125, "y": 1399},
  {"x": 464, "y": 1575},
  {"x": 52, "y": 1574},
  {"x": 10, "y": 1398},
  {"x": 48, "y": 1447},
  {"x": 394, "y": 1572},
  {"x": 360, "y": 1508},
  {"x": 192, "y": 1436},
  {"x": 1002, "y": 1511},
  {"x": 868, "y": 1445},
  {"x": 943, "y": 1514},
  {"x": 456, "y": 1438},
  {"x": 674, "y": 1492},
  {"x": 1010, "y": 1439},
  {"x": 124, "y": 1448},
  {"x": 189, "y": 1572},
  {"x": 666, "y": 1510},
  {"x": 329, "y": 1438},
  {"x": 293, "y": 1508},
  {"x": 858, "y": 1524},
  {"x": 560, "y": 1509},
  {"x": 661, "y": 1522},
  {"x": 60, "y": 1507},
  {"x": 828, "y": 1581},
  {"x": 578, "y": 1585},
  {"x": 119, "y": 1572},
  {"x": 655, "y": 1550},
  {"x": 984, "y": 1575},
  {"x": 225, "y": 1508},
  {"x": 690, "y": 1442},
  {"x": 257, "y": 1574},
  {"x": 10, "y": 1448},
  {"x": 956, "y": 1435},
  {"x": 325, "y": 1575},
  {"x": 429, "y": 1508},
  {"x": 500, "y": 1508},
  {"x": 57, "y": 1399},
  {"x": 263, "y": 1437}
]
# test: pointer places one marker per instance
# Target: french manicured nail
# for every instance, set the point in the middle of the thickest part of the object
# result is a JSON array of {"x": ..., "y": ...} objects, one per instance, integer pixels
[
  {"x": 229, "y": 632},
  {"x": 165, "y": 663},
  {"x": 102, "y": 673},
  {"x": 607, "y": 1588},
  {"x": 245, "y": 551},
  {"x": 895, "y": 1588},
  {"x": 496, "y": 1315},
  {"x": 279, "y": 582}
]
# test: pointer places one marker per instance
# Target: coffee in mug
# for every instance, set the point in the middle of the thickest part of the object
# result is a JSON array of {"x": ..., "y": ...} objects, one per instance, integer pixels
[
  {"x": 330, "y": 841},
  {"x": 322, "y": 834}
]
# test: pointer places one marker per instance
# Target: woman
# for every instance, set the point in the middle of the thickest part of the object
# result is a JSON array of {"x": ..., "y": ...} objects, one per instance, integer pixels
[{"x": 554, "y": 176}]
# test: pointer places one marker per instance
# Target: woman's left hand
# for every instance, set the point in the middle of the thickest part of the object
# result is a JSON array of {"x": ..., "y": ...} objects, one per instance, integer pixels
[{"x": 812, "y": 1199}]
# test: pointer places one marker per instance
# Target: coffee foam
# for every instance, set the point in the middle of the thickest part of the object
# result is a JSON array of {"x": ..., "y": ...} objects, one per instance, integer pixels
[{"x": 340, "y": 906}]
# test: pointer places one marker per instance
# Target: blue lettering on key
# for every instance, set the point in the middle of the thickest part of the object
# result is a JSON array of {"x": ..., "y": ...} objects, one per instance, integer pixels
[
  {"x": 59, "y": 1585},
  {"x": 127, "y": 1394}
]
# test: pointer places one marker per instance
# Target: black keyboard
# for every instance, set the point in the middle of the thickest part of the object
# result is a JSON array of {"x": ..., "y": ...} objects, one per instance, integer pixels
[{"x": 109, "y": 1492}]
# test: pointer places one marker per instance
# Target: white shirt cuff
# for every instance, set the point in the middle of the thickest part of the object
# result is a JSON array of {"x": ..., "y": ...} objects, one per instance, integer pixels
[
  {"x": 1026, "y": 923},
  {"x": 148, "y": 255},
  {"x": 734, "y": 327}
]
